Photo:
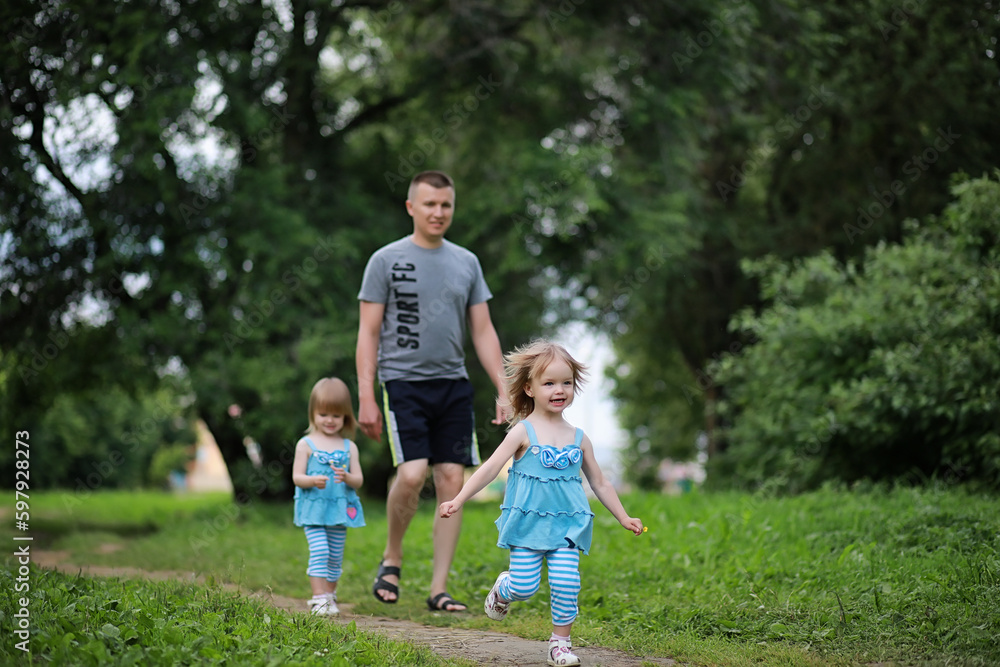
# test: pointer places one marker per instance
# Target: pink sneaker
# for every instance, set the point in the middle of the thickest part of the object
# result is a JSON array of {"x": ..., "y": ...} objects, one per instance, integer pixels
[
  {"x": 496, "y": 607},
  {"x": 561, "y": 654}
]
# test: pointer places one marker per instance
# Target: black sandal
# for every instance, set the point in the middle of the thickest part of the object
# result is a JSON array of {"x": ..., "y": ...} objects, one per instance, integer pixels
[
  {"x": 383, "y": 585},
  {"x": 442, "y": 602}
]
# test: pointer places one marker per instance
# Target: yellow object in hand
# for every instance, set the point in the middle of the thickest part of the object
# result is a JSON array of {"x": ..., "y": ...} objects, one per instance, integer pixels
[{"x": 645, "y": 528}]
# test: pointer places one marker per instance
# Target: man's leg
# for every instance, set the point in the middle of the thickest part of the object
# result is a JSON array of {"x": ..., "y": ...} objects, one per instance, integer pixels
[
  {"x": 400, "y": 506},
  {"x": 448, "y": 480}
]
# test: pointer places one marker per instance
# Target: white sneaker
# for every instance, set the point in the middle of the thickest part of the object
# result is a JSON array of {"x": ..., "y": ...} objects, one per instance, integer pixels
[
  {"x": 324, "y": 605},
  {"x": 561, "y": 654},
  {"x": 495, "y": 606}
]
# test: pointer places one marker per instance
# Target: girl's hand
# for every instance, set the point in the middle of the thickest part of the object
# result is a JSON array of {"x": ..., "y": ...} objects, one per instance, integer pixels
[
  {"x": 320, "y": 481},
  {"x": 338, "y": 474},
  {"x": 635, "y": 525},
  {"x": 448, "y": 508}
]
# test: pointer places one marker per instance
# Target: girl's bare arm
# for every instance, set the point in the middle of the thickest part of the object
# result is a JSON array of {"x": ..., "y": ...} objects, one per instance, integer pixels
[
  {"x": 605, "y": 490},
  {"x": 488, "y": 471}
]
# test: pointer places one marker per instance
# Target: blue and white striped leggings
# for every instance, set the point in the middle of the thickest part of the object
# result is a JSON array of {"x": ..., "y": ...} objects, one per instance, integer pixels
[
  {"x": 326, "y": 551},
  {"x": 564, "y": 579}
]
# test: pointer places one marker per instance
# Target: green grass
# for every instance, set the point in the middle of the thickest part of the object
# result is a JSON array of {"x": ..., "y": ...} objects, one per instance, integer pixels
[
  {"x": 79, "y": 620},
  {"x": 833, "y": 577}
]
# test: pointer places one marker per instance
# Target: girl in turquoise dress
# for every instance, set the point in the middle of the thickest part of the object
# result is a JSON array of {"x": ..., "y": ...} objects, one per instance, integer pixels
[
  {"x": 327, "y": 473},
  {"x": 545, "y": 515}
]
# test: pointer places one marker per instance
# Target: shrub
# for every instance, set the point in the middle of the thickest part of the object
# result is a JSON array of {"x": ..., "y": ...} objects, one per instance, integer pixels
[
  {"x": 885, "y": 369},
  {"x": 168, "y": 459}
]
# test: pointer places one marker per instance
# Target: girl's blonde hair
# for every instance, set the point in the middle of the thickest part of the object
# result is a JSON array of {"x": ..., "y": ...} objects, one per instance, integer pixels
[
  {"x": 525, "y": 363},
  {"x": 332, "y": 396}
]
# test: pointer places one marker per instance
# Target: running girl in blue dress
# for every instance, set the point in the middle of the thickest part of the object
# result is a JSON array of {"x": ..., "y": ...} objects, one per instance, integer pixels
[
  {"x": 327, "y": 473},
  {"x": 545, "y": 513}
]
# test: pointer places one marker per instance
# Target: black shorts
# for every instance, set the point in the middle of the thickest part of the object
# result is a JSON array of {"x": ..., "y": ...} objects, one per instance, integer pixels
[{"x": 430, "y": 419}]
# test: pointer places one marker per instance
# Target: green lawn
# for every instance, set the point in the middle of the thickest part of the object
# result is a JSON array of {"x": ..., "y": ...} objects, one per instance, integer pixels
[
  {"x": 79, "y": 620},
  {"x": 832, "y": 577}
]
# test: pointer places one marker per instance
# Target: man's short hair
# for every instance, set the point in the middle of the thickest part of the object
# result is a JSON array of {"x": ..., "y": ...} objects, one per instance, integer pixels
[{"x": 435, "y": 179}]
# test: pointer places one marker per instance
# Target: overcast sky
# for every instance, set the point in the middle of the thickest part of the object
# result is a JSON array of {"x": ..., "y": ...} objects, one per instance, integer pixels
[{"x": 592, "y": 409}]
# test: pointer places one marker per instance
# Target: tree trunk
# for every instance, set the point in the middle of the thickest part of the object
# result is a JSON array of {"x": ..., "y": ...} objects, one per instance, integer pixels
[
  {"x": 269, "y": 482},
  {"x": 711, "y": 396}
]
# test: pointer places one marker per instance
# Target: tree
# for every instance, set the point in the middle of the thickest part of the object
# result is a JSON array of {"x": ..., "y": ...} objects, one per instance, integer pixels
[
  {"x": 752, "y": 129},
  {"x": 202, "y": 193},
  {"x": 883, "y": 368},
  {"x": 212, "y": 182}
]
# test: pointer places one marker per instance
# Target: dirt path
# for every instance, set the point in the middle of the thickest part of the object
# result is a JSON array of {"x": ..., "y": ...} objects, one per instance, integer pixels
[{"x": 485, "y": 648}]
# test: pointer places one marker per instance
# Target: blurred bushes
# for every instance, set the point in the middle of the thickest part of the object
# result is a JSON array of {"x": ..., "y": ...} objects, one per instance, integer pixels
[
  {"x": 108, "y": 438},
  {"x": 884, "y": 369}
]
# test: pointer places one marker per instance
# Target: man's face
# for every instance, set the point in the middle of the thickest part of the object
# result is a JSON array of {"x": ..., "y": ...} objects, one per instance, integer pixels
[{"x": 431, "y": 209}]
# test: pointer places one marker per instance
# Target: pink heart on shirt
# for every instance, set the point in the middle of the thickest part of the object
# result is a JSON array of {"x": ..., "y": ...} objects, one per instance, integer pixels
[{"x": 352, "y": 512}]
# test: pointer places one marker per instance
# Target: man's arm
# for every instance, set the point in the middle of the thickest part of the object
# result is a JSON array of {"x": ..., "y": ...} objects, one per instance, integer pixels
[
  {"x": 366, "y": 361},
  {"x": 487, "y": 344}
]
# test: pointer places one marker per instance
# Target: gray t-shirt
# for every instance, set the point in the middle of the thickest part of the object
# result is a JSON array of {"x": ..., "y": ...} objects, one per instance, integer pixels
[{"x": 427, "y": 293}]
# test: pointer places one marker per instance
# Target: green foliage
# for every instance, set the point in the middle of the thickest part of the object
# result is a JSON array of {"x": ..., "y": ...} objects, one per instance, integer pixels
[
  {"x": 239, "y": 266},
  {"x": 76, "y": 620},
  {"x": 168, "y": 460},
  {"x": 105, "y": 438},
  {"x": 882, "y": 369},
  {"x": 758, "y": 129},
  {"x": 666, "y": 427}
]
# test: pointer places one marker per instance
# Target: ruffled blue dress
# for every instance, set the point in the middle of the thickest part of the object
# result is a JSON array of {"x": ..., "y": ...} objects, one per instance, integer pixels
[
  {"x": 337, "y": 504},
  {"x": 544, "y": 506}
]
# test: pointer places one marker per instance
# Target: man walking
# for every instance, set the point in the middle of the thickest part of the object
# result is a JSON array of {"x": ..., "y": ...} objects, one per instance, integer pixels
[{"x": 418, "y": 297}]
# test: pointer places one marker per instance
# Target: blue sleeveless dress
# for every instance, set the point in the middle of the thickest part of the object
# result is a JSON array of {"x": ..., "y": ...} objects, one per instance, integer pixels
[
  {"x": 544, "y": 506},
  {"x": 337, "y": 504}
]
